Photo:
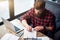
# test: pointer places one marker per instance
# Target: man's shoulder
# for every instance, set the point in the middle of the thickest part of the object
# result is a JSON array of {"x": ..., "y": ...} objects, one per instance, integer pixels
[
  {"x": 30, "y": 11},
  {"x": 48, "y": 12}
]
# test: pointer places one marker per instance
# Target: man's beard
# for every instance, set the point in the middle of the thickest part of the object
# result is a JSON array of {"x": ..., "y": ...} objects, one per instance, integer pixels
[
  {"x": 40, "y": 15},
  {"x": 37, "y": 14}
]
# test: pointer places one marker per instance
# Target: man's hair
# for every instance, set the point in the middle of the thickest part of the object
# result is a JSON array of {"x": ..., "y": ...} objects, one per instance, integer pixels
[
  {"x": 39, "y": 4},
  {"x": 38, "y": 0}
]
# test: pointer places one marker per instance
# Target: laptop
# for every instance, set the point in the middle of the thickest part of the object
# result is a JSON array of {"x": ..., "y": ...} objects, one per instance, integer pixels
[{"x": 10, "y": 26}]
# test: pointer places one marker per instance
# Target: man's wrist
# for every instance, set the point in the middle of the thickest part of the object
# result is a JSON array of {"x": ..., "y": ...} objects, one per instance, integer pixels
[
  {"x": 42, "y": 27},
  {"x": 27, "y": 26}
]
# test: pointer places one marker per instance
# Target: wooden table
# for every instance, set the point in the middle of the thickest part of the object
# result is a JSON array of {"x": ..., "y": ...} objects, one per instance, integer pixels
[
  {"x": 16, "y": 22},
  {"x": 39, "y": 34}
]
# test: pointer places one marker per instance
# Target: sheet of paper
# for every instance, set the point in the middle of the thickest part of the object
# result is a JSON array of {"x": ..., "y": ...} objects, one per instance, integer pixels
[
  {"x": 28, "y": 34},
  {"x": 9, "y": 36}
]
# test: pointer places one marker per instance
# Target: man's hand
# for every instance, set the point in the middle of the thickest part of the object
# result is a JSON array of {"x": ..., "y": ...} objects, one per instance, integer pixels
[
  {"x": 29, "y": 28},
  {"x": 49, "y": 28},
  {"x": 37, "y": 28},
  {"x": 25, "y": 24}
]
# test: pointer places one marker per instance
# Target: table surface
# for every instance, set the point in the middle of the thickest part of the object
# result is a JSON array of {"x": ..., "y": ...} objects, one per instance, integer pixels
[
  {"x": 17, "y": 23},
  {"x": 39, "y": 34}
]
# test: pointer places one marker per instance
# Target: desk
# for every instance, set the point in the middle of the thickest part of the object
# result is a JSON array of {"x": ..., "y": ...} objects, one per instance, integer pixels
[{"x": 17, "y": 23}]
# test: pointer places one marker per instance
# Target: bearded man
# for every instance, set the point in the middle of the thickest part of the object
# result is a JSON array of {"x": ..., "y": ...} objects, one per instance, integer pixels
[{"x": 39, "y": 18}]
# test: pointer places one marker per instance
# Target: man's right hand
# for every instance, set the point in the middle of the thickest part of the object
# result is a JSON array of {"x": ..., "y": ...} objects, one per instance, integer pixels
[{"x": 29, "y": 28}]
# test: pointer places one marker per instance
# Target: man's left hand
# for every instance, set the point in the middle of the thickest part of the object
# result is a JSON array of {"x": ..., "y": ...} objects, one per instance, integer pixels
[{"x": 37, "y": 28}]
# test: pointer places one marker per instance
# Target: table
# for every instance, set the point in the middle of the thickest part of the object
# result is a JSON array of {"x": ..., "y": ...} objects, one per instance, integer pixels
[{"x": 17, "y": 23}]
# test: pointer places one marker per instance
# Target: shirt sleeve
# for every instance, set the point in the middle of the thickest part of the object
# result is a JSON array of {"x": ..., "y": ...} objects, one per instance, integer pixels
[
  {"x": 52, "y": 22},
  {"x": 26, "y": 15}
]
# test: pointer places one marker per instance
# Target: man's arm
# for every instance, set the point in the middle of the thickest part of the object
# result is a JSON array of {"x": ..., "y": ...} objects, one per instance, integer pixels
[
  {"x": 29, "y": 28},
  {"x": 51, "y": 25},
  {"x": 24, "y": 20},
  {"x": 39, "y": 28}
]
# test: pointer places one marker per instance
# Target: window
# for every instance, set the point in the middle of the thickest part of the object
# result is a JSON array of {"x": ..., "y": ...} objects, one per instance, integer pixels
[
  {"x": 4, "y": 10},
  {"x": 21, "y": 6},
  {"x": 9, "y": 9}
]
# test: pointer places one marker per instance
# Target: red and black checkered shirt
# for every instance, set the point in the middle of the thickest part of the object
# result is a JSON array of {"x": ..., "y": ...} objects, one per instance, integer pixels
[{"x": 45, "y": 19}]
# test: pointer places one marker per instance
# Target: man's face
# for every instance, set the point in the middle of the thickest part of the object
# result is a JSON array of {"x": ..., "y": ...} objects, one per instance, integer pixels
[{"x": 38, "y": 11}]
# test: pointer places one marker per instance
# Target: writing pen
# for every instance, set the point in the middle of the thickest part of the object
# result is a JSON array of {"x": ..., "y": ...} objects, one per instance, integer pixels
[{"x": 19, "y": 31}]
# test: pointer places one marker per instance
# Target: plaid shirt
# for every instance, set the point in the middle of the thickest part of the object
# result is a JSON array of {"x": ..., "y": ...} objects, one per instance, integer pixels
[{"x": 48, "y": 19}]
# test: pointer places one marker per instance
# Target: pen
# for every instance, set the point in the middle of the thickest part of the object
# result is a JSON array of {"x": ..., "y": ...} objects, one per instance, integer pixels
[{"x": 19, "y": 31}]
